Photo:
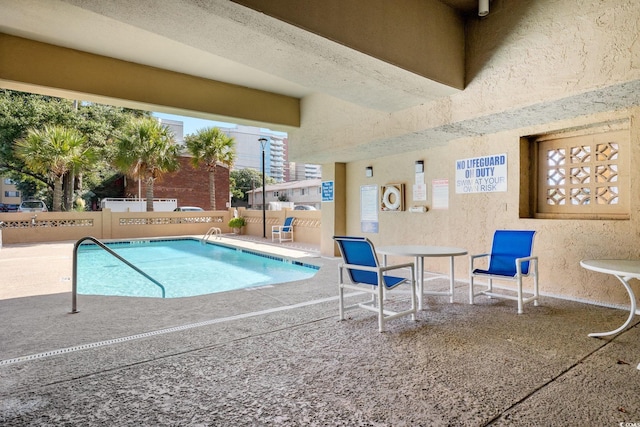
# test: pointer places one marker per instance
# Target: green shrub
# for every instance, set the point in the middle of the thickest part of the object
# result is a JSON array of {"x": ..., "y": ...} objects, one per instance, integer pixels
[{"x": 237, "y": 222}]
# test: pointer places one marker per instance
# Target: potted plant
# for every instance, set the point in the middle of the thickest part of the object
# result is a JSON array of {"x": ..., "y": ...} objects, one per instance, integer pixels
[{"x": 236, "y": 224}]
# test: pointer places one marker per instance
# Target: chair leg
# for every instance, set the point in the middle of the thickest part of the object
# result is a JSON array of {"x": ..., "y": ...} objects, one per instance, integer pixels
[
  {"x": 380, "y": 308},
  {"x": 536, "y": 292},
  {"x": 471, "y": 280},
  {"x": 340, "y": 294},
  {"x": 520, "y": 302},
  {"x": 471, "y": 290},
  {"x": 414, "y": 298}
]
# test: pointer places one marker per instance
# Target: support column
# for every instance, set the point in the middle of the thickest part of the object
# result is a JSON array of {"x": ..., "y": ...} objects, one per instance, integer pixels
[{"x": 334, "y": 214}]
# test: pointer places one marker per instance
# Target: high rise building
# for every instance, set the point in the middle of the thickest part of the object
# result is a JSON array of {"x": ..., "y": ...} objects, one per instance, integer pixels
[
  {"x": 177, "y": 127},
  {"x": 249, "y": 151},
  {"x": 304, "y": 171}
]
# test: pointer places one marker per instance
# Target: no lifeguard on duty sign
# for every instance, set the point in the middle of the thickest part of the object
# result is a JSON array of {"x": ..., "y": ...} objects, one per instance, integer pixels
[{"x": 486, "y": 174}]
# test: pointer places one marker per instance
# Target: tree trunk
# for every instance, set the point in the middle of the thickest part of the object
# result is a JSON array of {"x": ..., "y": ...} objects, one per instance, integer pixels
[
  {"x": 65, "y": 192},
  {"x": 68, "y": 187},
  {"x": 79, "y": 186},
  {"x": 149, "y": 194},
  {"x": 57, "y": 194},
  {"x": 212, "y": 188}
]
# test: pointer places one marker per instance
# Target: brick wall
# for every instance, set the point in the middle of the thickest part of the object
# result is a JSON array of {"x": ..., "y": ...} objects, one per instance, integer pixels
[{"x": 190, "y": 186}]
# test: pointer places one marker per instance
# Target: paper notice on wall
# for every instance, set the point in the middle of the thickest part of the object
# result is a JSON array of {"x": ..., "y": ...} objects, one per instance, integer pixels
[
  {"x": 419, "y": 192},
  {"x": 369, "y": 208},
  {"x": 440, "y": 194}
]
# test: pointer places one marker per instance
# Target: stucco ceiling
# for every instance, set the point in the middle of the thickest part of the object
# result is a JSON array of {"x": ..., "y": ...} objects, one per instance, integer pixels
[{"x": 221, "y": 40}]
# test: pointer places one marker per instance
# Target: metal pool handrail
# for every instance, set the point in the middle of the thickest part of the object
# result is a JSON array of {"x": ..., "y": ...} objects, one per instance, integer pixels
[
  {"x": 213, "y": 231},
  {"x": 74, "y": 292}
]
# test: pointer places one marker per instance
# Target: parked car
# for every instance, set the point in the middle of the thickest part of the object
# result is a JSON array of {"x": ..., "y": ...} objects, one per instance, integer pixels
[
  {"x": 304, "y": 208},
  {"x": 32, "y": 206},
  {"x": 188, "y": 209},
  {"x": 3, "y": 207},
  {"x": 11, "y": 207}
]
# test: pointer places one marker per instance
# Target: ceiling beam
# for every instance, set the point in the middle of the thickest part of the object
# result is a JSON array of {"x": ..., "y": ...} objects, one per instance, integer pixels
[
  {"x": 425, "y": 37},
  {"x": 53, "y": 70}
]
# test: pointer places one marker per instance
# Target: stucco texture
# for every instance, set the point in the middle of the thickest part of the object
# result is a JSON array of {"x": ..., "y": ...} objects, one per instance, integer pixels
[{"x": 539, "y": 67}]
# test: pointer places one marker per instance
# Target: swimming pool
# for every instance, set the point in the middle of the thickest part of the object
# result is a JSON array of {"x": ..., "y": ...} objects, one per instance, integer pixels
[{"x": 185, "y": 267}]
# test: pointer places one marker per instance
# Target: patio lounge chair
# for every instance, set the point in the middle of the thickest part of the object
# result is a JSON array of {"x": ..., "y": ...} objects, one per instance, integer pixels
[
  {"x": 366, "y": 275},
  {"x": 284, "y": 233},
  {"x": 510, "y": 259}
]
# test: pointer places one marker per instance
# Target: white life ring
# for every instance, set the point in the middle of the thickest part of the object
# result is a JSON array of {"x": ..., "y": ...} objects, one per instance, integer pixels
[{"x": 386, "y": 198}]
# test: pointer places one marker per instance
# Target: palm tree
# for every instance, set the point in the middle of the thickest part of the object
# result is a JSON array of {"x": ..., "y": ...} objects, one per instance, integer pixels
[
  {"x": 146, "y": 150},
  {"x": 81, "y": 161},
  {"x": 53, "y": 151},
  {"x": 211, "y": 146}
]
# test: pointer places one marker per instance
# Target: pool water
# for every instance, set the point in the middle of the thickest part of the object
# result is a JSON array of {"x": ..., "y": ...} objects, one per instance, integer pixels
[{"x": 185, "y": 267}]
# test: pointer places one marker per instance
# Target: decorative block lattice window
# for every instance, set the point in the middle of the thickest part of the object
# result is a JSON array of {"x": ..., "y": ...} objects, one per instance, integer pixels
[{"x": 583, "y": 174}]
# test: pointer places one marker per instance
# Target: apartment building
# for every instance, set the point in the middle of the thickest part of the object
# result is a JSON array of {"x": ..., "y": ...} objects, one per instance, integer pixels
[
  {"x": 307, "y": 192},
  {"x": 9, "y": 193}
]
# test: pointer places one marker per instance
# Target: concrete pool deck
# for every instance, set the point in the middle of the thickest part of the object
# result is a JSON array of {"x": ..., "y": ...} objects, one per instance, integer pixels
[{"x": 278, "y": 356}]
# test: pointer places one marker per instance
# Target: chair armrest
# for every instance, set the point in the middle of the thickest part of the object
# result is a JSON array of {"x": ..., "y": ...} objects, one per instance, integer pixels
[
  {"x": 520, "y": 261},
  {"x": 358, "y": 267},
  {"x": 275, "y": 228},
  {"x": 473, "y": 258},
  {"x": 377, "y": 269},
  {"x": 396, "y": 267}
]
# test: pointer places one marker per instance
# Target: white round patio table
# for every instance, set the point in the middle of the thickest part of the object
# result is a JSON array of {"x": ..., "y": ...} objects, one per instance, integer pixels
[
  {"x": 624, "y": 270},
  {"x": 420, "y": 252}
]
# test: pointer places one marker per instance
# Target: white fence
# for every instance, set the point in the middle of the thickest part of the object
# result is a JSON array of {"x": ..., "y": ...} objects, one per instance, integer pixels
[{"x": 138, "y": 205}]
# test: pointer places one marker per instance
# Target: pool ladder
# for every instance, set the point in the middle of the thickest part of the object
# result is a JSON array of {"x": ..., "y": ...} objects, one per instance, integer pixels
[
  {"x": 74, "y": 291},
  {"x": 213, "y": 231}
]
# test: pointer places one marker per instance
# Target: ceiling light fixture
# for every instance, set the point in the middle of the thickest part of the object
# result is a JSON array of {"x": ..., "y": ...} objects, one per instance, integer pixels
[{"x": 483, "y": 7}]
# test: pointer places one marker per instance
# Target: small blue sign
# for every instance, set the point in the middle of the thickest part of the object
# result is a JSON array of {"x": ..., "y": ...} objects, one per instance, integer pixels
[{"x": 327, "y": 191}]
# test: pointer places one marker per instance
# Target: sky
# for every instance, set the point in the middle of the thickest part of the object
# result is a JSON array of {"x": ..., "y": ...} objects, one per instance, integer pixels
[{"x": 192, "y": 124}]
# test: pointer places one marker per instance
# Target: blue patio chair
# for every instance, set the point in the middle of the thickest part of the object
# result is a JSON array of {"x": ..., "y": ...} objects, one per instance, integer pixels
[
  {"x": 284, "y": 232},
  {"x": 366, "y": 275},
  {"x": 510, "y": 259}
]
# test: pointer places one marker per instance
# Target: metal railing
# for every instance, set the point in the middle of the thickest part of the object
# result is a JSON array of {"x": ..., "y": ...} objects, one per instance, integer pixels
[
  {"x": 213, "y": 231},
  {"x": 74, "y": 291}
]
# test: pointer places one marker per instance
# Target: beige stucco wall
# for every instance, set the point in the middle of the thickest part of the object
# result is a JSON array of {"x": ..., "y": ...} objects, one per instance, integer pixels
[
  {"x": 471, "y": 218},
  {"x": 306, "y": 224},
  {"x": 17, "y": 227},
  {"x": 533, "y": 67},
  {"x": 530, "y": 62}
]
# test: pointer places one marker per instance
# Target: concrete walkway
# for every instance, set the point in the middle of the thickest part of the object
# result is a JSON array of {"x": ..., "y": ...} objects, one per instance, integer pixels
[{"x": 278, "y": 356}]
